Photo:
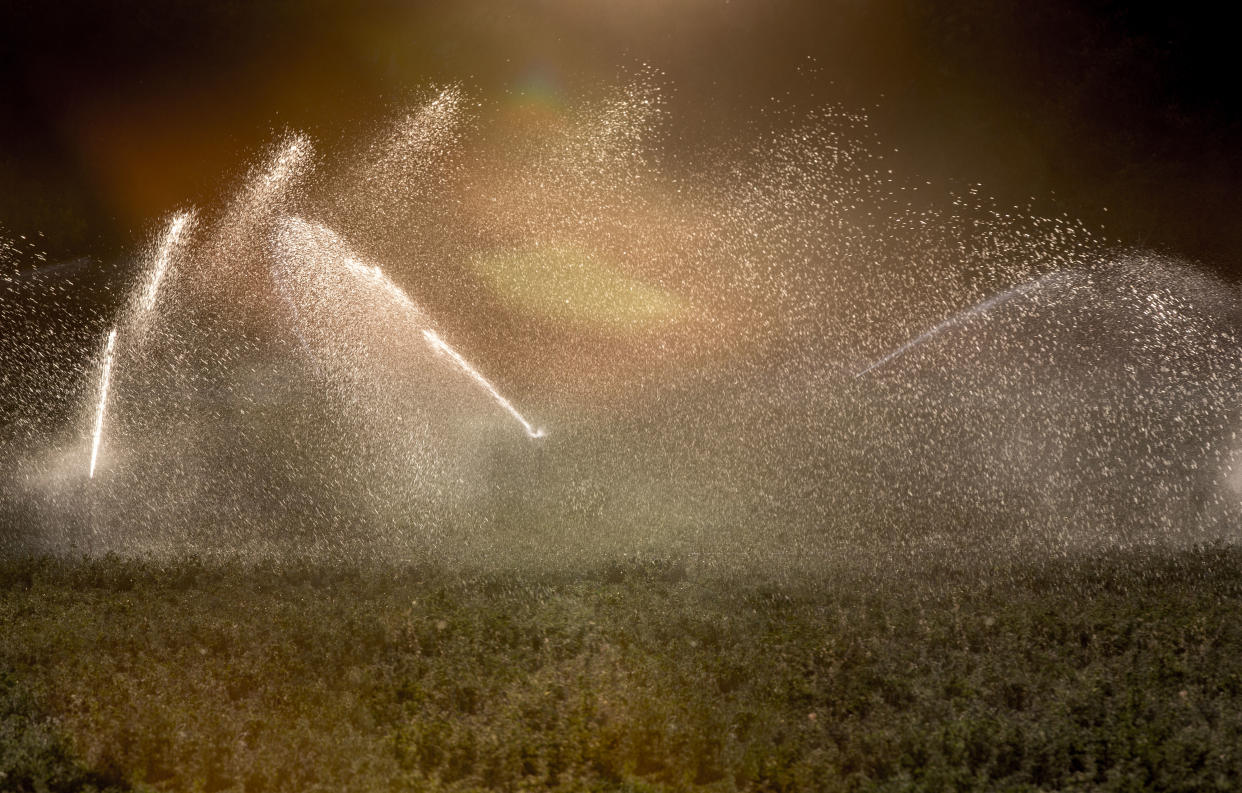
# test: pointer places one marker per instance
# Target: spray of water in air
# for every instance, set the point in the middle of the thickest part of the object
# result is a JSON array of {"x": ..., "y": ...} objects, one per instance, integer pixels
[
  {"x": 105, "y": 378},
  {"x": 690, "y": 323}
]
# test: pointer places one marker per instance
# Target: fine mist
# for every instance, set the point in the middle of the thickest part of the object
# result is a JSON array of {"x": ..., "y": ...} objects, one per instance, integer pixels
[{"x": 555, "y": 336}]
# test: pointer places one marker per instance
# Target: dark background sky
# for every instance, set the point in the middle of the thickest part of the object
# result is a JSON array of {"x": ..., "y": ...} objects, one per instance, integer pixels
[{"x": 114, "y": 113}]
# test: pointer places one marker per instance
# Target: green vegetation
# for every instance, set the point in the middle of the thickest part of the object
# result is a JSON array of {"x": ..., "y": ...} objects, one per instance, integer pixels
[
  {"x": 32, "y": 755},
  {"x": 1113, "y": 674}
]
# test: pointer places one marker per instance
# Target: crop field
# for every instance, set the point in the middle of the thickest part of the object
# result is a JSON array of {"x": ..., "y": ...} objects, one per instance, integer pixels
[{"x": 1123, "y": 673}]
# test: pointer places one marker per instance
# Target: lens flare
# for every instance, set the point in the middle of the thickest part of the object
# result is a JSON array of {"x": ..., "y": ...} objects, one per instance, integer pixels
[
  {"x": 103, "y": 400},
  {"x": 439, "y": 345}
]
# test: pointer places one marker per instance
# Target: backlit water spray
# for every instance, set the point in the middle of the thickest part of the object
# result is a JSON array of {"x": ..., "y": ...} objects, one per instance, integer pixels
[
  {"x": 694, "y": 330},
  {"x": 960, "y": 318},
  {"x": 172, "y": 237},
  {"x": 163, "y": 258},
  {"x": 104, "y": 380},
  {"x": 323, "y": 237},
  {"x": 438, "y": 344},
  {"x": 374, "y": 273}
]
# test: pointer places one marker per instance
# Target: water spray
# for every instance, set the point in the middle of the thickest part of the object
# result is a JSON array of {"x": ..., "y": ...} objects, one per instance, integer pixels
[
  {"x": 439, "y": 345},
  {"x": 103, "y": 400},
  {"x": 162, "y": 259},
  {"x": 146, "y": 303},
  {"x": 376, "y": 276},
  {"x": 290, "y": 162},
  {"x": 981, "y": 307},
  {"x": 374, "y": 273}
]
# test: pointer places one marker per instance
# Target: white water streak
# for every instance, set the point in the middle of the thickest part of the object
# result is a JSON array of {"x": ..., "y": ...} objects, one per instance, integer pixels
[
  {"x": 439, "y": 345},
  {"x": 374, "y": 274},
  {"x": 162, "y": 259},
  {"x": 961, "y": 317},
  {"x": 104, "y": 379}
]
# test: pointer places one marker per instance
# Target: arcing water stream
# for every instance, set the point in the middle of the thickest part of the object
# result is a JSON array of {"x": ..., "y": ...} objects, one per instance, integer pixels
[{"x": 693, "y": 329}]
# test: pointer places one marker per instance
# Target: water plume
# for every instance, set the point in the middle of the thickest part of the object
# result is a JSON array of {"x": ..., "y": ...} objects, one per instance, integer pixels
[
  {"x": 163, "y": 257},
  {"x": 440, "y": 345},
  {"x": 328, "y": 246},
  {"x": 289, "y": 163},
  {"x": 105, "y": 378},
  {"x": 979, "y": 309},
  {"x": 689, "y": 323}
]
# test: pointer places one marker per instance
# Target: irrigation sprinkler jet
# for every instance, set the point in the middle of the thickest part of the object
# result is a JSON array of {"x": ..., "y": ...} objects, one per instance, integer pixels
[
  {"x": 439, "y": 345},
  {"x": 177, "y": 226},
  {"x": 960, "y": 318},
  {"x": 327, "y": 244},
  {"x": 104, "y": 378}
]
